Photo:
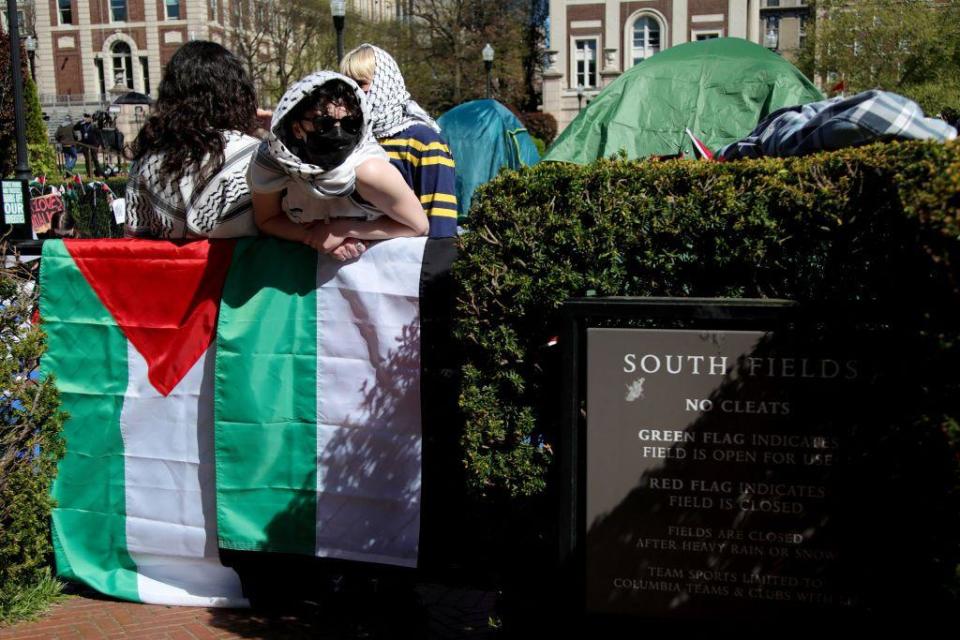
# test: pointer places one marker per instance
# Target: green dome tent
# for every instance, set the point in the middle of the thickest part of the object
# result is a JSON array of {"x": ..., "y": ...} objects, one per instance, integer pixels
[
  {"x": 719, "y": 89},
  {"x": 484, "y": 137}
]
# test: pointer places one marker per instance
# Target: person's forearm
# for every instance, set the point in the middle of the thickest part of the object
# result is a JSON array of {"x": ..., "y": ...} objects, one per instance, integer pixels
[
  {"x": 382, "y": 228},
  {"x": 283, "y": 227}
]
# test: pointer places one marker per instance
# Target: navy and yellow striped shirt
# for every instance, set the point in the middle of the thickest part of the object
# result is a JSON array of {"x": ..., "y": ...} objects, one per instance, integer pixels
[{"x": 426, "y": 163}]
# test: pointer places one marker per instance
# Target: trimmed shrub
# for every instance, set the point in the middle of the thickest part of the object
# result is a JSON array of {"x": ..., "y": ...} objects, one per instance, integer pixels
[
  {"x": 90, "y": 212},
  {"x": 540, "y": 125},
  {"x": 878, "y": 225},
  {"x": 875, "y": 224},
  {"x": 30, "y": 446}
]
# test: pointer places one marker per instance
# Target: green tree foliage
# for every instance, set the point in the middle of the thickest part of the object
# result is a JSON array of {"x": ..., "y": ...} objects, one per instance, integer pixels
[
  {"x": 30, "y": 446},
  {"x": 910, "y": 47},
  {"x": 41, "y": 155},
  {"x": 437, "y": 47}
]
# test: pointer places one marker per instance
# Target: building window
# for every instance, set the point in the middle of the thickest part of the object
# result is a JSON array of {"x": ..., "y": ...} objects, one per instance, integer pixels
[
  {"x": 65, "y": 9},
  {"x": 118, "y": 10},
  {"x": 698, "y": 36},
  {"x": 645, "y": 38},
  {"x": 103, "y": 83},
  {"x": 173, "y": 9},
  {"x": 122, "y": 64},
  {"x": 585, "y": 62},
  {"x": 145, "y": 69},
  {"x": 773, "y": 3},
  {"x": 213, "y": 10}
]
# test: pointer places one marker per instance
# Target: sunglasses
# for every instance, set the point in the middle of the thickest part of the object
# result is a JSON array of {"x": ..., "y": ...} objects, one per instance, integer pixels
[{"x": 324, "y": 123}]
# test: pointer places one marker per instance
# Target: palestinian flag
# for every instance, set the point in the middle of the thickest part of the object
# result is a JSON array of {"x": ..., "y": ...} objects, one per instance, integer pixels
[
  {"x": 130, "y": 328},
  {"x": 295, "y": 427},
  {"x": 700, "y": 150},
  {"x": 318, "y": 403}
]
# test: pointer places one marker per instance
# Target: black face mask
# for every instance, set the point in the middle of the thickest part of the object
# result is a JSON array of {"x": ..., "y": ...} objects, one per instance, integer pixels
[{"x": 327, "y": 149}]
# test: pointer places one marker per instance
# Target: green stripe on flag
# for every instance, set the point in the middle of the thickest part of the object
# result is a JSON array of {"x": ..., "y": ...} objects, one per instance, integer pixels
[
  {"x": 265, "y": 405},
  {"x": 89, "y": 528}
]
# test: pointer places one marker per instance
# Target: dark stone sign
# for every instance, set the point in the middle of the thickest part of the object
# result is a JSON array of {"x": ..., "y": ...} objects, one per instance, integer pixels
[
  {"x": 751, "y": 468},
  {"x": 705, "y": 486}
]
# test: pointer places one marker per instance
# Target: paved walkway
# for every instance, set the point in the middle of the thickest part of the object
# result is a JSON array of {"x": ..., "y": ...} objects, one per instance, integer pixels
[{"x": 446, "y": 613}]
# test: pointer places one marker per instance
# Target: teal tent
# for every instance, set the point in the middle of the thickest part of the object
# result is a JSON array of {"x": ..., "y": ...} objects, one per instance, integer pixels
[
  {"x": 484, "y": 137},
  {"x": 719, "y": 89}
]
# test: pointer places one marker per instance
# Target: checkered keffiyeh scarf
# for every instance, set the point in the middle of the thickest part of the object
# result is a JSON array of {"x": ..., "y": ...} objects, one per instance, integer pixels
[
  {"x": 275, "y": 164},
  {"x": 836, "y": 124},
  {"x": 391, "y": 108}
]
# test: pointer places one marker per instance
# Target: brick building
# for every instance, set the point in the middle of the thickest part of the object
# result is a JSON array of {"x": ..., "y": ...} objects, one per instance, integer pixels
[
  {"x": 592, "y": 42},
  {"x": 86, "y": 48}
]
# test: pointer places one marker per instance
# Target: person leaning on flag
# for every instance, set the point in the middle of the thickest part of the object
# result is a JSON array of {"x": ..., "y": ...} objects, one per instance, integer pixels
[
  {"x": 189, "y": 173},
  {"x": 320, "y": 177},
  {"x": 409, "y": 135}
]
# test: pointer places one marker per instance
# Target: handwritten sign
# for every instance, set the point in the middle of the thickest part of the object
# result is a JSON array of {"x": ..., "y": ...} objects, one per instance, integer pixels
[{"x": 43, "y": 210}]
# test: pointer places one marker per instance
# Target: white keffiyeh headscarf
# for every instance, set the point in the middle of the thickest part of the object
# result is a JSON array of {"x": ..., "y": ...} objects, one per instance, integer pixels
[
  {"x": 391, "y": 108},
  {"x": 275, "y": 164}
]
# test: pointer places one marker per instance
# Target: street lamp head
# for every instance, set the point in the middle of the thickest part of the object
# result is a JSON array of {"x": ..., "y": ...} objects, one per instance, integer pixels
[
  {"x": 487, "y": 53},
  {"x": 30, "y": 43},
  {"x": 772, "y": 39},
  {"x": 579, "y": 90},
  {"x": 338, "y": 8}
]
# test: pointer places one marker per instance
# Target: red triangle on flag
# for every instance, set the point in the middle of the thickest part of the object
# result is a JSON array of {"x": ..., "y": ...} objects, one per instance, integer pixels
[{"x": 164, "y": 296}]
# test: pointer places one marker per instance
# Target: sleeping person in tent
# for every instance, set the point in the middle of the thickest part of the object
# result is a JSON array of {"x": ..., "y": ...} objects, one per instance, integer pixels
[
  {"x": 320, "y": 177},
  {"x": 410, "y": 136}
]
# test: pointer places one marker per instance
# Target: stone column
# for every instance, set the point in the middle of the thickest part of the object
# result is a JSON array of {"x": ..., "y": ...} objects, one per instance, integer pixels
[
  {"x": 46, "y": 36},
  {"x": 91, "y": 76},
  {"x": 737, "y": 18},
  {"x": 680, "y": 31},
  {"x": 753, "y": 22},
  {"x": 153, "y": 43}
]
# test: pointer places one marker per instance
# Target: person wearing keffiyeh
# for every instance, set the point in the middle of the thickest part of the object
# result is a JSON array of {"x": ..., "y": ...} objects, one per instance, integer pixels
[
  {"x": 409, "y": 135},
  {"x": 320, "y": 177}
]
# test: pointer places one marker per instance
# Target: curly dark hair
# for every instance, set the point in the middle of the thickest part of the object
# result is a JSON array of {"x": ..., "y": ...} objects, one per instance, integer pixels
[{"x": 205, "y": 91}]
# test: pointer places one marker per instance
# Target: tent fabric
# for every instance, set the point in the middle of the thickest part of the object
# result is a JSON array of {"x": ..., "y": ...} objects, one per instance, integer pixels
[
  {"x": 485, "y": 137},
  {"x": 719, "y": 89}
]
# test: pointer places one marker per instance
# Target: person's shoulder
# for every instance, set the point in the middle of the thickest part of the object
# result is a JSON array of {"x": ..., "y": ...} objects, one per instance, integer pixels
[
  {"x": 369, "y": 169},
  {"x": 419, "y": 132},
  {"x": 238, "y": 139}
]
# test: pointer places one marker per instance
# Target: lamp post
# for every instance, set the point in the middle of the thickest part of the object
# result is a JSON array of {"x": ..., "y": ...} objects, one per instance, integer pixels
[
  {"x": 579, "y": 97},
  {"x": 22, "y": 169},
  {"x": 338, "y": 9},
  {"x": 487, "y": 54}
]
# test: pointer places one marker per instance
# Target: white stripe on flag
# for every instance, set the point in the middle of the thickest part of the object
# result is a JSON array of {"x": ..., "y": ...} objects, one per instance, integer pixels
[
  {"x": 368, "y": 404},
  {"x": 170, "y": 494}
]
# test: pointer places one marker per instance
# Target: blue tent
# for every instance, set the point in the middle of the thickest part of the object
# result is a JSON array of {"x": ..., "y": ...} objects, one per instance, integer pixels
[{"x": 484, "y": 137}]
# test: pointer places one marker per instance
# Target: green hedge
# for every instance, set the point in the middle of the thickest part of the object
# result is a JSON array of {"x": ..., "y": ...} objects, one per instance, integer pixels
[
  {"x": 88, "y": 208},
  {"x": 30, "y": 446},
  {"x": 879, "y": 225},
  {"x": 873, "y": 224}
]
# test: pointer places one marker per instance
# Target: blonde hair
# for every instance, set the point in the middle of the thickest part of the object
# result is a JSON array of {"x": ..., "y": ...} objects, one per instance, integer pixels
[{"x": 359, "y": 64}]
